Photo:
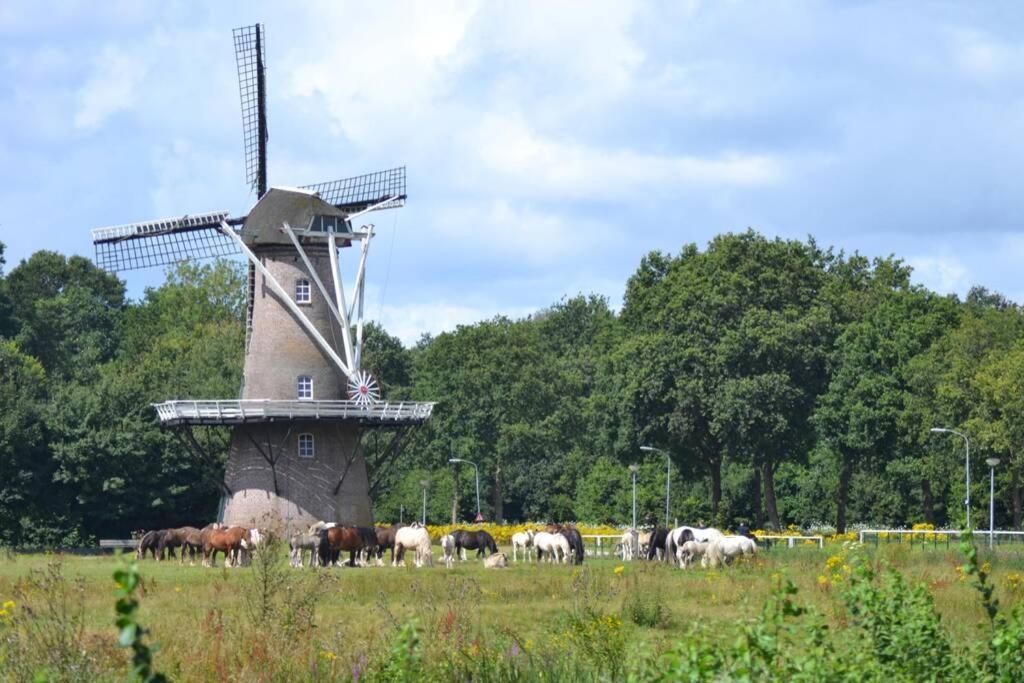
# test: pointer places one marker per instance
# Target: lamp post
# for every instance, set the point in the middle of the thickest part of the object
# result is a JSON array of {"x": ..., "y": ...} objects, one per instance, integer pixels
[
  {"x": 633, "y": 469},
  {"x": 991, "y": 462},
  {"x": 668, "y": 476},
  {"x": 967, "y": 465},
  {"x": 423, "y": 483},
  {"x": 479, "y": 517}
]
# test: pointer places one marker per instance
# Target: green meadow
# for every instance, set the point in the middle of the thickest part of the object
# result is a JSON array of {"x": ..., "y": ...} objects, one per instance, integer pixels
[{"x": 839, "y": 607}]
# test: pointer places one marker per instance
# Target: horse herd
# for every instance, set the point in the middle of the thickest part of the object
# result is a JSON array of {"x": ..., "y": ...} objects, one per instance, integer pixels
[
  {"x": 325, "y": 541},
  {"x": 684, "y": 544},
  {"x": 235, "y": 542}
]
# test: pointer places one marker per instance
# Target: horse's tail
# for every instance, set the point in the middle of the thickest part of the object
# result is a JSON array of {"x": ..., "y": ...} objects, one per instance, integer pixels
[
  {"x": 491, "y": 545},
  {"x": 670, "y": 547},
  {"x": 324, "y": 548}
]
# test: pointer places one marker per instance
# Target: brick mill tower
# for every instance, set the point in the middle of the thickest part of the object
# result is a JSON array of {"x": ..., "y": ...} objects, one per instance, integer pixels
[{"x": 296, "y": 449}]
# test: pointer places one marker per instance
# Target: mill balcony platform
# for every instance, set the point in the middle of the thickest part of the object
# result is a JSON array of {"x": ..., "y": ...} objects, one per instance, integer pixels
[{"x": 232, "y": 412}]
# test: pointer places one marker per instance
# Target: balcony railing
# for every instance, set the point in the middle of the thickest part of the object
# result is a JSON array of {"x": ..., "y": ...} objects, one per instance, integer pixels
[{"x": 173, "y": 413}]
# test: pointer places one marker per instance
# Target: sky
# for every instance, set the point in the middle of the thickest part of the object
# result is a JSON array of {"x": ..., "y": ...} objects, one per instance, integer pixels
[{"x": 549, "y": 145}]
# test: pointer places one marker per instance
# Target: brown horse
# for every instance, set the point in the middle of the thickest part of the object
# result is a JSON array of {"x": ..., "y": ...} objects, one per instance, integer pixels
[
  {"x": 229, "y": 541},
  {"x": 188, "y": 538},
  {"x": 151, "y": 543},
  {"x": 386, "y": 540},
  {"x": 338, "y": 539}
]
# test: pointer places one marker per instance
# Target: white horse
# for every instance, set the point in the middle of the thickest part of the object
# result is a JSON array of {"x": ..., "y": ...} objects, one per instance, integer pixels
[
  {"x": 724, "y": 550},
  {"x": 413, "y": 538},
  {"x": 243, "y": 555},
  {"x": 299, "y": 543},
  {"x": 682, "y": 534},
  {"x": 448, "y": 548},
  {"x": 630, "y": 544},
  {"x": 522, "y": 541},
  {"x": 555, "y": 546},
  {"x": 690, "y": 551}
]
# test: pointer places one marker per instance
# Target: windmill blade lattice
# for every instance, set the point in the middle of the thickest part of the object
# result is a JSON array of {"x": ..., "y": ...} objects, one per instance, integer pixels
[
  {"x": 163, "y": 242},
  {"x": 251, "y": 57},
  {"x": 361, "y": 192}
]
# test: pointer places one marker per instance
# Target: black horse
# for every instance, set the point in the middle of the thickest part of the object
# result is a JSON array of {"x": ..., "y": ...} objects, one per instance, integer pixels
[
  {"x": 474, "y": 540},
  {"x": 658, "y": 538},
  {"x": 572, "y": 534}
]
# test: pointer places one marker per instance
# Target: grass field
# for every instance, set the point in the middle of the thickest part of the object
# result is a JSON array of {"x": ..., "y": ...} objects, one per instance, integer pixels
[{"x": 272, "y": 622}]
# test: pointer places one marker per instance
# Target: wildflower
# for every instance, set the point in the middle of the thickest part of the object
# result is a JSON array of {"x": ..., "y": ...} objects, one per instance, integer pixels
[
  {"x": 822, "y": 580},
  {"x": 986, "y": 567},
  {"x": 9, "y": 605},
  {"x": 328, "y": 655},
  {"x": 619, "y": 569},
  {"x": 177, "y": 589},
  {"x": 514, "y": 651},
  {"x": 834, "y": 562}
]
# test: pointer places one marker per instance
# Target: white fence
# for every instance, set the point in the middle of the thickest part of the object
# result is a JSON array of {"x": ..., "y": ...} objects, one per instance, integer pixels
[{"x": 933, "y": 536}]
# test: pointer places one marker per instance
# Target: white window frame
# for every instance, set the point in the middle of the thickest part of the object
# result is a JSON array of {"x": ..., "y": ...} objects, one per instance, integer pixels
[
  {"x": 303, "y": 291},
  {"x": 306, "y": 446},
  {"x": 300, "y": 384}
]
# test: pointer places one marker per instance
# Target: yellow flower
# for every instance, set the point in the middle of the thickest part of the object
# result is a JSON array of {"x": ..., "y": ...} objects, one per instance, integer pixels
[
  {"x": 328, "y": 655},
  {"x": 986, "y": 567},
  {"x": 835, "y": 562},
  {"x": 8, "y": 605},
  {"x": 822, "y": 580},
  {"x": 177, "y": 589},
  {"x": 619, "y": 569}
]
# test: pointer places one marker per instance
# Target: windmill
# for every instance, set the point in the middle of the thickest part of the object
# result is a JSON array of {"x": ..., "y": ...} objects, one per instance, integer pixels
[{"x": 297, "y": 428}]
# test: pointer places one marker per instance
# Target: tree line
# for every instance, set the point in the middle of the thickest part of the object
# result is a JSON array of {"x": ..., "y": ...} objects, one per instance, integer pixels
[{"x": 780, "y": 382}]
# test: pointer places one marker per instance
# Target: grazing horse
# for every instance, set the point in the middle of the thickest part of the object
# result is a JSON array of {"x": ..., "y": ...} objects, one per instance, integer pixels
[
  {"x": 414, "y": 537},
  {"x": 555, "y": 546},
  {"x": 386, "y": 541},
  {"x": 724, "y": 550},
  {"x": 188, "y": 538},
  {"x": 682, "y": 534},
  {"x": 630, "y": 544},
  {"x": 369, "y": 536},
  {"x": 656, "y": 546},
  {"x": 522, "y": 541},
  {"x": 148, "y": 543},
  {"x": 337, "y": 539},
  {"x": 690, "y": 551},
  {"x": 448, "y": 550},
  {"x": 299, "y": 543},
  {"x": 480, "y": 541},
  {"x": 229, "y": 541},
  {"x": 572, "y": 535}
]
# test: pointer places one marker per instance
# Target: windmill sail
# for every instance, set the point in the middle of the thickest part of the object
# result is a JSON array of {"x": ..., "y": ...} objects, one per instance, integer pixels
[
  {"x": 250, "y": 56},
  {"x": 380, "y": 190},
  {"x": 163, "y": 242}
]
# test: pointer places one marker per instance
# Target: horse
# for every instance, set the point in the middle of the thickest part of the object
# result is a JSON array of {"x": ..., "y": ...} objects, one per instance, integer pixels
[
  {"x": 689, "y": 551},
  {"x": 369, "y": 536},
  {"x": 448, "y": 550},
  {"x": 724, "y": 550},
  {"x": 337, "y": 539},
  {"x": 682, "y": 534},
  {"x": 656, "y": 546},
  {"x": 522, "y": 541},
  {"x": 386, "y": 540},
  {"x": 555, "y": 546},
  {"x": 572, "y": 535},
  {"x": 416, "y": 538},
  {"x": 188, "y": 538},
  {"x": 630, "y": 544},
  {"x": 148, "y": 543},
  {"x": 480, "y": 541},
  {"x": 229, "y": 541},
  {"x": 643, "y": 543},
  {"x": 299, "y": 543}
]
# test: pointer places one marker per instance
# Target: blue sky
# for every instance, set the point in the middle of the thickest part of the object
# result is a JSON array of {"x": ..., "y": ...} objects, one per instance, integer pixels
[{"x": 549, "y": 145}]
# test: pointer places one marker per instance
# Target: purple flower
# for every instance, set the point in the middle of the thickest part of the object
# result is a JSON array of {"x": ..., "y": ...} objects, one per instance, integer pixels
[
  {"x": 515, "y": 649},
  {"x": 356, "y": 672}
]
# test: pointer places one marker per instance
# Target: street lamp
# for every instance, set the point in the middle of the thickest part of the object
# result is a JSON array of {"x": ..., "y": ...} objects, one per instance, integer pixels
[
  {"x": 479, "y": 517},
  {"x": 423, "y": 483},
  {"x": 991, "y": 462},
  {"x": 668, "y": 476},
  {"x": 633, "y": 469},
  {"x": 967, "y": 465}
]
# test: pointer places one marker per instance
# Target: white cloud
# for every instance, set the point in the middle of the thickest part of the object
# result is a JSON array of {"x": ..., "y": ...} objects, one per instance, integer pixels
[
  {"x": 110, "y": 89},
  {"x": 507, "y": 146},
  {"x": 944, "y": 274}
]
